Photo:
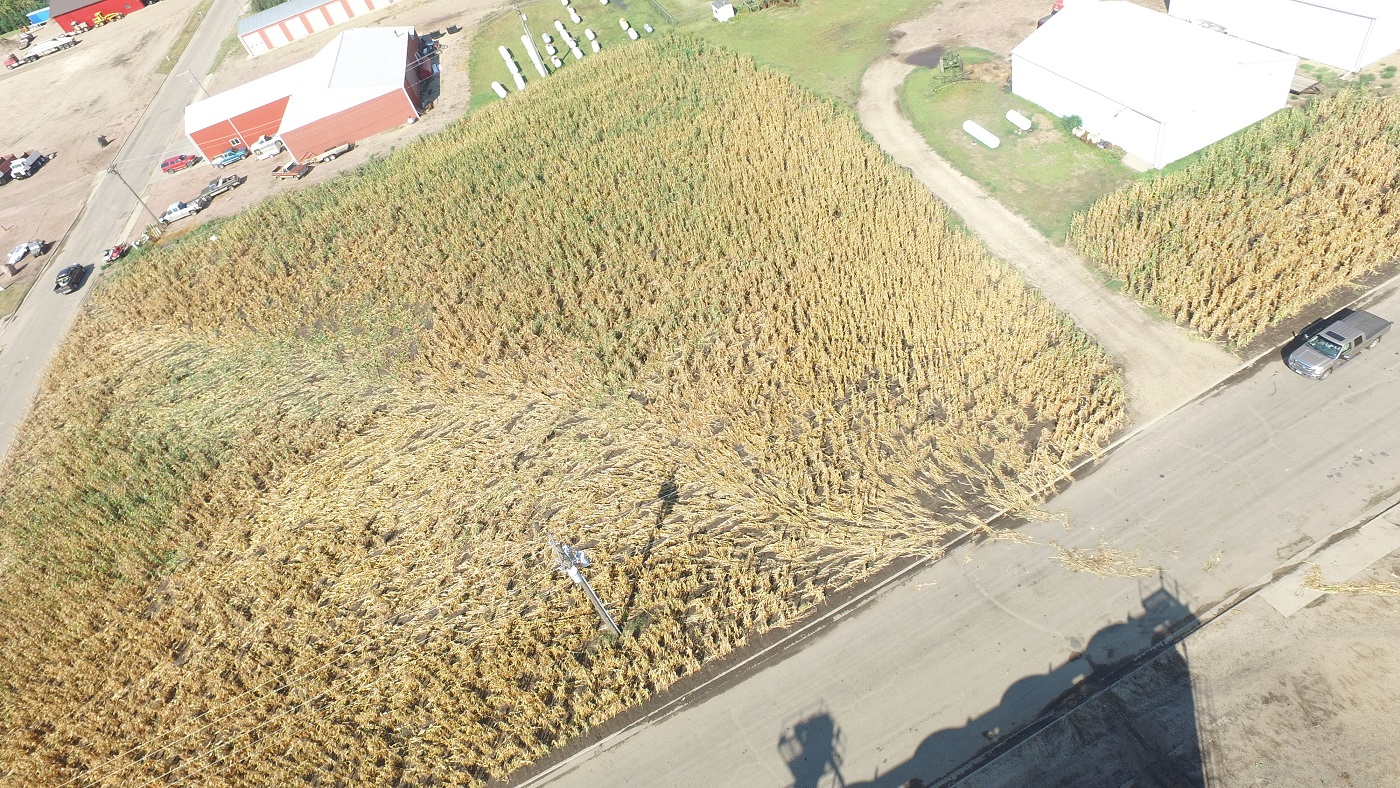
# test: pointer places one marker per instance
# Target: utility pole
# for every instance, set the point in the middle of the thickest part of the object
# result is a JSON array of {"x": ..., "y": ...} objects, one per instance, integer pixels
[
  {"x": 112, "y": 168},
  {"x": 570, "y": 561}
]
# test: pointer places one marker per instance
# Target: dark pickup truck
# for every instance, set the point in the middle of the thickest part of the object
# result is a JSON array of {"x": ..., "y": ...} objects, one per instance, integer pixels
[{"x": 1336, "y": 343}]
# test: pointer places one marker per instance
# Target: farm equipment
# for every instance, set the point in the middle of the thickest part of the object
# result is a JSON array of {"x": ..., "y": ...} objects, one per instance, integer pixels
[
  {"x": 334, "y": 152},
  {"x": 39, "y": 50},
  {"x": 27, "y": 164},
  {"x": 99, "y": 19}
]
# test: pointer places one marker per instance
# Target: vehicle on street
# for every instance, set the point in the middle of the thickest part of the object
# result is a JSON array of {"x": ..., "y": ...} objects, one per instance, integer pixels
[
  {"x": 230, "y": 156},
  {"x": 220, "y": 185},
  {"x": 177, "y": 163},
  {"x": 27, "y": 165},
  {"x": 334, "y": 152},
  {"x": 180, "y": 210},
  {"x": 292, "y": 170},
  {"x": 69, "y": 279},
  {"x": 39, "y": 50},
  {"x": 1336, "y": 343},
  {"x": 115, "y": 253}
]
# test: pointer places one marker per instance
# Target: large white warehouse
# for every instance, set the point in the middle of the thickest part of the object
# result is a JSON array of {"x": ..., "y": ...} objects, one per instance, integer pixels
[
  {"x": 1158, "y": 87},
  {"x": 1345, "y": 34}
]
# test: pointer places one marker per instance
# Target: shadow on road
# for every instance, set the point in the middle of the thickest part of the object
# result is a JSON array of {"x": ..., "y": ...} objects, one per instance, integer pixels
[
  {"x": 1057, "y": 728},
  {"x": 812, "y": 750}
]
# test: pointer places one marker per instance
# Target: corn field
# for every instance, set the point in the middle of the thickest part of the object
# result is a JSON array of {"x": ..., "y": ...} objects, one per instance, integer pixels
[
  {"x": 281, "y": 512},
  {"x": 1265, "y": 224}
]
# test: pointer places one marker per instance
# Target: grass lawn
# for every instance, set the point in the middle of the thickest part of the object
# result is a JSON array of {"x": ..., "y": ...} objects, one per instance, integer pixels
[
  {"x": 183, "y": 40},
  {"x": 824, "y": 45},
  {"x": 504, "y": 29},
  {"x": 1045, "y": 174}
]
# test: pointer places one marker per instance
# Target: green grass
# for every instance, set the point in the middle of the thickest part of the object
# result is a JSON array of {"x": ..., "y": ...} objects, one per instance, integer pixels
[
  {"x": 824, "y": 45},
  {"x": 227, "y": 47},
  {"x": 1045, "y": 175},
  {"x": 183, "y": 40},
  {"x": 486, "y": 66},
  {"x": 12, "y": 296}
]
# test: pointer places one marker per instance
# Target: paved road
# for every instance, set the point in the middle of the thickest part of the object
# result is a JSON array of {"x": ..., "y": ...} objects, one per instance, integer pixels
[
  {"x": 1163, "y": 365},
  {"x": 1218, "y": 494},
  {"x": 29, "y": 340}
]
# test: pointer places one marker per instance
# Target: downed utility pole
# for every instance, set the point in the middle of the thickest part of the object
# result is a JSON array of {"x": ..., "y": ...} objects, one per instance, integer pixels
[{"x": 570, "y": 561}]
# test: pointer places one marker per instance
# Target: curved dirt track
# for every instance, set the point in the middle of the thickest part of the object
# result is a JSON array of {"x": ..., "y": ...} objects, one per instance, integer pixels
[{"x": 1163, "y": 365}]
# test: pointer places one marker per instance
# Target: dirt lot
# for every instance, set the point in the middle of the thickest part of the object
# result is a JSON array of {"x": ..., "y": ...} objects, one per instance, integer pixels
[
  {"x": 60, "y": 103},
  {"x": 428, "y": 16}
]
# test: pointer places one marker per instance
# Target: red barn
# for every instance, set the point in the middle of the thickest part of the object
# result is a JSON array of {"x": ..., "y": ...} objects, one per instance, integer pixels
[
  {"x": 69, "y": 14},
  {"x": 365, "y": 81}
]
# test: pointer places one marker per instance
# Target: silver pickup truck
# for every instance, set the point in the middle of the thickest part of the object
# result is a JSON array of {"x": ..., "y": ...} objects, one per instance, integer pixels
[{"x": 1336, "y": 343}]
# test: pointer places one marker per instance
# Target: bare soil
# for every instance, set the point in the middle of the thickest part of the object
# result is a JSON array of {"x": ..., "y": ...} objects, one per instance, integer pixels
[
  {"x": 60, "y": 103},
  {"x": 453, "y": 94}
]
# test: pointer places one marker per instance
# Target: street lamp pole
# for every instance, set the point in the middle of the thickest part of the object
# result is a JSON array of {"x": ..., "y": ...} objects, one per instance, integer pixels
[
  {"x": 570, "y": 561},
  {"x": 112, "y": 169}
]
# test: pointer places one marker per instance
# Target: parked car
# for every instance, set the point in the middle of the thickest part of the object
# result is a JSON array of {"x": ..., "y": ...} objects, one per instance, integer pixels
[
  {"x": 292, "y": 170},
  {"x": 115, "y": 253},
  {"x": 69, "y": 279},
  {"x": 177, "y": 163},
  {"x": 180, "y": 210},
  {"x": 266, "y": 147},
  {"x": 230, "y": 156},
  {"x": 220, "y": 185},
  {"x": 1336, "y": 343}
]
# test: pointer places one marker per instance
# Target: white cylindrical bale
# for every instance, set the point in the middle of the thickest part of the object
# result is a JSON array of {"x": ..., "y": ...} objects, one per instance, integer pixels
[
  {"x": 573, "y": 15},
  {"x": 505, "y": 53},
  {"x": 596, "y": 48},
  {"x": 513, "y": 66},
  {"x": 578, "y": 53},
  {"x": 560, "y": 27},
  {"x": 499, "y": 88},
  {"x": 547, "y": 38},
  {"x": 519, "y": 81},
  {"x": 648, "y": 28},
  {"x": 632, "y": 33},
  {"x": 1018, "y": 120},
  {"x": 980, "y": 134},
  {"x": 556, "y": 62},
  {"x": 622, "y": 23},
  {"x": 589, "y": 34},
  {"x": 551, "y": 50}
]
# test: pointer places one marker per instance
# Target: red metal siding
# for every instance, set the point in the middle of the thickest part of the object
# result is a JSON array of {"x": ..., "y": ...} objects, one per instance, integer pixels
[
  {"x": 389, "y": 111},
  {"x": 247, "y": 127},
  {"x": 86, "y": 13}
]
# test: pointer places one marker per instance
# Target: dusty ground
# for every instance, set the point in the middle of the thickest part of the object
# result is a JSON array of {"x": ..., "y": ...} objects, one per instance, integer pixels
[
  {"x": 1252, "y": 699},
  {"x": 1163, "y": 365},
  {"x": 427, "y": 16},
  {"x": 60, "y": 103}
]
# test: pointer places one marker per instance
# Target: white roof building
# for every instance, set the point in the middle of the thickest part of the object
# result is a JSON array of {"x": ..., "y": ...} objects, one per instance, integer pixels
[
  {"x": 366, "y": 80},
  {"x": 1158, "y": 87},
  {"x": 1344, "y": 34}
]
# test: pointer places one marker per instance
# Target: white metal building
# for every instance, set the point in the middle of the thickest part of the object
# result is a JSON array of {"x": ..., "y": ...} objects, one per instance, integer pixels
[
  {"x": 1158, "y": 87},
  {"x": 297, "y": 19},
  {"x": 1344, "y": 34}
]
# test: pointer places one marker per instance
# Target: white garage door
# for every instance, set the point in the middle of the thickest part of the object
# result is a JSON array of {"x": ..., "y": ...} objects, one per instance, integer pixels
[
  {"x": 338, "y": 13},
  {"x": 316, "y": 20},
  {"x": 297, "y": 28},
  {"x": 254, "y": 43},
  {"x": 275, "y": 36}
]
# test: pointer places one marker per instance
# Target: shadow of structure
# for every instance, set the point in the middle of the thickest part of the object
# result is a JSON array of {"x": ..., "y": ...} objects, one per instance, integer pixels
[
  {"x": 1120, "y": 712},
  {"x": 812, "y": 751}
]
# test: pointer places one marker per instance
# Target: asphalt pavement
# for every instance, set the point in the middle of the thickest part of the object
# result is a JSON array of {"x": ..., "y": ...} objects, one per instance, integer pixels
[
  {"x": 29, "y": 340},
  {"x": 966, "y": 651}
]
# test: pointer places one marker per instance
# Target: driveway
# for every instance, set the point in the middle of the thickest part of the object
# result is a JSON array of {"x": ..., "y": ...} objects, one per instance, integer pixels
[{"x": 1163, "y": 365}]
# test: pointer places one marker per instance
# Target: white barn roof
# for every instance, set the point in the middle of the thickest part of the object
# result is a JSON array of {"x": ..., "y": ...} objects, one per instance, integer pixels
[
  {"x": 1145, "y": 60},
  {"x": 356, "y": 66}
]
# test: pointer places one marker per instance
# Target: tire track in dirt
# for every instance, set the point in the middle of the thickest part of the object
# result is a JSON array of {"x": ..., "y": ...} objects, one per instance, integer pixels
[{"x": 1163, "y": 365}]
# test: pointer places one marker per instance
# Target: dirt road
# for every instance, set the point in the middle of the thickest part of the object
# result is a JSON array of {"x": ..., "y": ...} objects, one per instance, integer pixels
[{"x": 1163, "y": 365}]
